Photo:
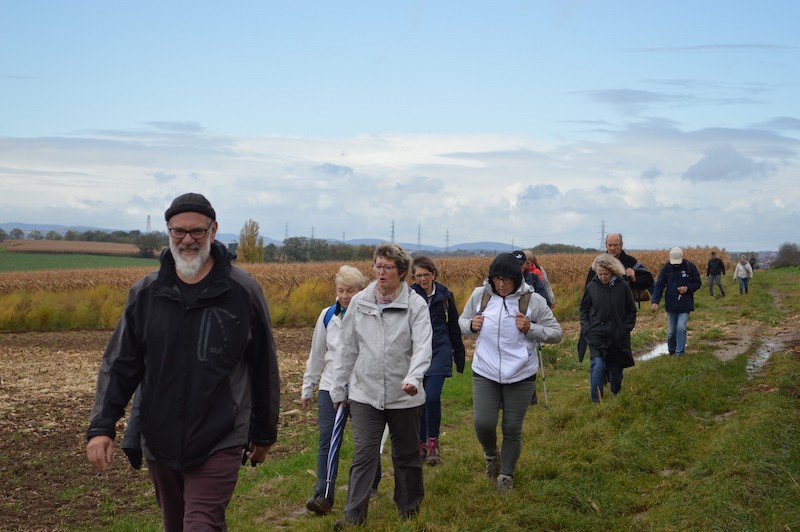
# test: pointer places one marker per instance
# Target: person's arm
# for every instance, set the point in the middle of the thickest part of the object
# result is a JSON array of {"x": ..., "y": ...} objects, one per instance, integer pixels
[
  {"x": 454, "y": 330},
  {"x": 421, "y": 344},
  {"x": 695, "y": 281},
  {"x": 543, "y": 327},
  {"x": 265, "y": 378},
  {"x": 346, "y": 354},
  {"x": 658, "y": 288},
  {"x": 470, "y": 312},
  {"x": 316, "y": 360}
]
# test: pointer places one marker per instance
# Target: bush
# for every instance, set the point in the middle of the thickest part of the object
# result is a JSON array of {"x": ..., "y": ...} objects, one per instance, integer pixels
[{"x": 788, "y": 255}]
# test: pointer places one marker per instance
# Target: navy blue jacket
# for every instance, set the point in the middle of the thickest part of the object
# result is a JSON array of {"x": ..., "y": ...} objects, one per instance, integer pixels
[
  {"x": 448, "y": 346},
  {"x": 669, "y": 279}
]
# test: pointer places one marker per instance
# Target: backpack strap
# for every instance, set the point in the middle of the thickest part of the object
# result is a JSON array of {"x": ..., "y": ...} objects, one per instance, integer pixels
[
  {"x": 330, "y": 313},
  {"x": 484, "y": 300},
  {"x": 524, "y": 301}
]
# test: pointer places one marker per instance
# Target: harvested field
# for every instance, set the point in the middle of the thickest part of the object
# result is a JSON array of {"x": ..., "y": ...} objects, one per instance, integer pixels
[{"x": 70, "y": 246}]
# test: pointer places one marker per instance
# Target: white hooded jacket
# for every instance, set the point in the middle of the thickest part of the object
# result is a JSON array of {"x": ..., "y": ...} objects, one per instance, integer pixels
[{"x": 502, "y": 353}]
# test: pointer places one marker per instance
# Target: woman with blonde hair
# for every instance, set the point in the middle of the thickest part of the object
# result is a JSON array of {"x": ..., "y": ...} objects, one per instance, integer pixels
[
  {"x": 608, "y": 315},
  {"x": 319, "y": 369}
]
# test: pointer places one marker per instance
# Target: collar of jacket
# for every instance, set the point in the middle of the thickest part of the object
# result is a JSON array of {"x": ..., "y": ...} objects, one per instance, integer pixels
[{"x": 401, "y": 302}]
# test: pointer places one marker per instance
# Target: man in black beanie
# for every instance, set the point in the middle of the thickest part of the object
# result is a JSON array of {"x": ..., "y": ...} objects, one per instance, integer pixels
[{"x": 196, "y": 338}]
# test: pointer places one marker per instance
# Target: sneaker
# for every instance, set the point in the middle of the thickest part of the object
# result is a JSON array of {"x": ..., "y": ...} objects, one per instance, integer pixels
[
  {"x": 505, "y": 483},
  {"x": 423, "y": 450},
  {"x": 492, "y": 466},
  {"x": 319, "y": 505},
  {"x": 433, "y": 458}
]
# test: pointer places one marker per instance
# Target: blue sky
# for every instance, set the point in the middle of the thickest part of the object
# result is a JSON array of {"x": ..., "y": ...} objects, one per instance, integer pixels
[{"x": 676, "y": 123}]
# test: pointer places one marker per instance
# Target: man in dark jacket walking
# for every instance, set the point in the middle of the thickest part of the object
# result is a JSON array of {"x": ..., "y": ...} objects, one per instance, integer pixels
[
  {"x": 677, "y": 282},
  {"x": 196, "y": 335},
  {"x": 715, "y": 272}
]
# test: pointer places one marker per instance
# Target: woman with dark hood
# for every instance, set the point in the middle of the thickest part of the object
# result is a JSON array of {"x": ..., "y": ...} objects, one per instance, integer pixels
[
  {"x": 508, "y": 319},
  {"x": 608, "y": 315}
]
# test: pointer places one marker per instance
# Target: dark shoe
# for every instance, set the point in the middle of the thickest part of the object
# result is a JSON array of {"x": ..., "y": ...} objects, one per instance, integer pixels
[
  {"x": 433, "y": 458},
  {"x": 319, "y": 505},
  {"x": 492, "y": 466},
  {"x": 505, "y": 483}
]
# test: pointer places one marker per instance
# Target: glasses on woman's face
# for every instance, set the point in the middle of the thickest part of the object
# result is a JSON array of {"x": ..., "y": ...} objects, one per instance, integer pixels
[
  {"x": 501, "y": 279},
  {"x": 383, "y": 268},
  {"x": 423, "y": 276},
  {"x": 179, "y": 233}
]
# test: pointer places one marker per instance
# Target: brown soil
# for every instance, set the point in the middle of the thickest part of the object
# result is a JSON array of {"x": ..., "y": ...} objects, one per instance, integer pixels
[
  {"x": 70, "y": 246},
  {"x": 47, "y": 385}
]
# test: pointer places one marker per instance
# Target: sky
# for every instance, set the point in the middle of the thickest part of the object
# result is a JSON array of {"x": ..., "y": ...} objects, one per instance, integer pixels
[{"x": 522, "y": 122}]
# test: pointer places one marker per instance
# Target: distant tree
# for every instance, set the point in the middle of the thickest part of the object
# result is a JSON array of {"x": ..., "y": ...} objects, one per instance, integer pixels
[
  {"x": 3, "y": 235},
  {"x": 53, "y": 235},
  {"x": 272, "y": 253},
  {"x": 71, "y": 235},
  {"x": 295, "y": 249},
  {"x": 17, "y": 234},
  {"x": 788, "y": 255},
  {"x": 150, "y": 243},
  {"x": 251, "y": 246},
  {"x": 317, "y": 249}
]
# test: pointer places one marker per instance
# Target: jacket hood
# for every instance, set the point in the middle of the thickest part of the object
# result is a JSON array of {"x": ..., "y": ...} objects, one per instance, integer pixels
[{"x": 506, "y": 265}]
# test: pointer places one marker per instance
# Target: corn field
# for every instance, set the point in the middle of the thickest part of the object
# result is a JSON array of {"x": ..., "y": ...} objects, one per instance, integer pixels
[{"x": 283, "y": 278}]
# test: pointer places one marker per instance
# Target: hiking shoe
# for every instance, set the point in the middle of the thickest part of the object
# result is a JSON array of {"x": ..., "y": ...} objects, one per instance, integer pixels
[
  {"x": 505, "y": 483},
  {"x": 433, "y": 458},
  {"x": 423, "y": 450},
  {"x": 492, "y": 466},
  {"x": 319, "y": 505}
]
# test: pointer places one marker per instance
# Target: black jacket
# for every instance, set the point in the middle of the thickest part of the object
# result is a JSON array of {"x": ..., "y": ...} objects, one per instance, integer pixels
[
  {"x": 448, "y": 347},
  {"x": 670, "y": 278},
  {"x": 715, "y": 267},
  {"x": 208, "y": 368},
  {"x": 608, "y": 315}
]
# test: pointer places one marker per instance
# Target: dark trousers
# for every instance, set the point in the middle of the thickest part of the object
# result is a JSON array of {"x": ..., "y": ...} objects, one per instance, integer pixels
[
  {"x": 196, "y": 499},
  {"x": 368, "y": 424},
  {"x": 432, "y": 413}
]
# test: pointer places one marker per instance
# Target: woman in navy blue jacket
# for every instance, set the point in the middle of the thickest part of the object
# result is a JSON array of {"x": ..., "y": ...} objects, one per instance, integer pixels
[
  {"x": 447, "y": 348},
  {"x": 677, "y": 282}
]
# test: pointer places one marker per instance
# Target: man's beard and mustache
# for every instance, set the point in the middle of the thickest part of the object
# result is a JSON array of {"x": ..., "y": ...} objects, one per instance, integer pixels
[{"x": 190, "y": 267}]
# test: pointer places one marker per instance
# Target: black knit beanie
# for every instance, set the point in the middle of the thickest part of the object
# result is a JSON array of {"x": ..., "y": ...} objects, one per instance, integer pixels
[{"x": 190, "y": 202}]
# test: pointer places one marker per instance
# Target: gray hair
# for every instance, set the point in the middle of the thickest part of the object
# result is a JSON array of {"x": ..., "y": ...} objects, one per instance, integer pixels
[
  {"x": 396, "y": 254},
  {"x": 351, "y": 276},
  {"x": 607, "y": 261}
]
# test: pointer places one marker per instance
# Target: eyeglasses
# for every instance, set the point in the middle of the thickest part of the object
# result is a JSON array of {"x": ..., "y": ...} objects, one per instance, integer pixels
[
  {"x": 423, "y": 276},
  {"x": 383, "y": 268},
  {"x": 179, "y": 233},
  {"x": 501, "y": 279}
]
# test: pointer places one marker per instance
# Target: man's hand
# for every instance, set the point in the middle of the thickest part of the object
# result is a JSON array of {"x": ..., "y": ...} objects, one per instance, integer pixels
[
  {"x": 683, "y": 289},
  {"x": 307, "y": 403},
  {"x": 631, "y": 274},
  {"x": 99, "y": 451},
  {"x": 654, "y": 306},
  {"x": 256, "y": 453}
]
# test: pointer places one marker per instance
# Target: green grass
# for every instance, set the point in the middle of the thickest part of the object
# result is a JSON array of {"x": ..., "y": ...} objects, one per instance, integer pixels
[{"x": 17, "y": 262}]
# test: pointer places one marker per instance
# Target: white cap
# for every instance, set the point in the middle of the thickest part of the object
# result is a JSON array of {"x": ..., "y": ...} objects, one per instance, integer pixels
[{"x": 676, "y": 256}]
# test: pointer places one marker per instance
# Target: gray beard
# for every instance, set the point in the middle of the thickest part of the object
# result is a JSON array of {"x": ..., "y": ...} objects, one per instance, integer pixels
[{"x": 190, "y": 267}]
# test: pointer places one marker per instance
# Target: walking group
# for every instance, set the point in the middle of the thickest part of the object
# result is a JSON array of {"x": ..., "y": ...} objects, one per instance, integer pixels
[{"x": 195, "y": 345}]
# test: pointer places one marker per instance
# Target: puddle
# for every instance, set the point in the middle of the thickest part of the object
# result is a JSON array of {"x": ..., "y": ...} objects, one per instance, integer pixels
[
  {"x": 657, "y": 351},
  {"x": 765, "y": 350}
]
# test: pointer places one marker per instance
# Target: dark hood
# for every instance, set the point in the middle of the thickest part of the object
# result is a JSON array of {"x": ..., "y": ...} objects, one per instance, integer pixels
[{"x": 506, "y": 265}]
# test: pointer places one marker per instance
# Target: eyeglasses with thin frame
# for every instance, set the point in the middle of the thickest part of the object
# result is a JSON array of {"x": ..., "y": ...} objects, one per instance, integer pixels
[
  {"x": 423, "y": 275},
  {"x": 198, "y": 233},
  {"x": 502, "y": 279},
  {"x": 384, "y": 267}
]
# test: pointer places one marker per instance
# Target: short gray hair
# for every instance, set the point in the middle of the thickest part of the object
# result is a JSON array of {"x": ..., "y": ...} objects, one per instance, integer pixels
[
  {"x": 396, "y": 254},
  {"x": 607, "y": 261}
]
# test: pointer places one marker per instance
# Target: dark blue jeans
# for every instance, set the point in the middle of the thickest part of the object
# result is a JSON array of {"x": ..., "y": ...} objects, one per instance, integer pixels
[
  {"x": 600, "y": 369},
  {"x": 744, "y": 282},
  {"x": 432, "y": 414}
]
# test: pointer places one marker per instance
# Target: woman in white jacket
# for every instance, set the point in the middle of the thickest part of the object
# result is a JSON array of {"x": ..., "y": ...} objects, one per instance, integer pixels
[
  {"x": 385, "y": 350},
  {"x": 319, "y": 368},
  {"x": 505, "y": 362}
]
